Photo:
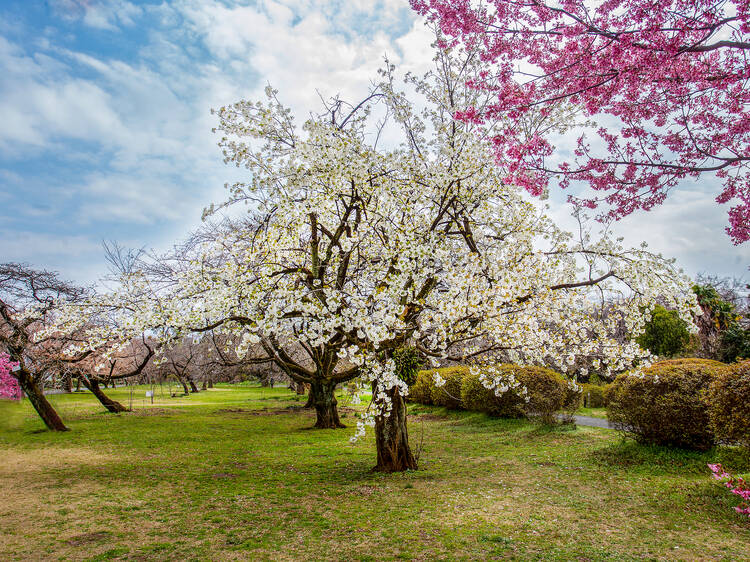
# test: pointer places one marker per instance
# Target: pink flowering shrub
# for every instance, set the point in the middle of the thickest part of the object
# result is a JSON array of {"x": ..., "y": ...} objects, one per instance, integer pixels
[
  {"x": 9, "y": 387},
  {"x": 736, "y": 485}
]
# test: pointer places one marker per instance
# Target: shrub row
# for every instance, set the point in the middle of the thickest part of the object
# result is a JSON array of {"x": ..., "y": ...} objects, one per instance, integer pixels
[
  {"x": 594, "y": 395},
  {"x": 689, "y": 403},
  {"x": 548, "y": 392}
]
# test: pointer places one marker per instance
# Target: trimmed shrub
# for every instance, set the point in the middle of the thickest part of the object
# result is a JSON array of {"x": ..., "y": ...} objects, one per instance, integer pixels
[
  {"x": 449, "y": 394},
  {"x": 421, "y": 391},
  {"x": 593, "y": 395},
  {"x": 548, "y": 393},
  {"x": 477, "y": 398},
  {"x": 729, "y": 405},
  {"x": 666, "y": 405}
]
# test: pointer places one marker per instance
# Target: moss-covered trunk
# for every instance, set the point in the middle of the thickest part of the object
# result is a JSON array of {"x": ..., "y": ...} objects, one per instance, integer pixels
[
  {"x": 392, "y": 438},
  {"x": 324, "y": 399},
  {"x": 112, "y": 406},
  {"x": 42, "y": 406}
]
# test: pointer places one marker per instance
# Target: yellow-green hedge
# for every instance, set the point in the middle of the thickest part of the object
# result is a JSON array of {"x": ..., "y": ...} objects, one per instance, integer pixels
[
  {"x": 449, "y": 394},
  {"x": 667, "y": 405},
  {"x": 729, "y": 405},
  {"x": 477, "y": 398},
  {"x": 593, "y": 395},
  {"x": 548, "y": 392},
  {"x": 421, "y": 391}
]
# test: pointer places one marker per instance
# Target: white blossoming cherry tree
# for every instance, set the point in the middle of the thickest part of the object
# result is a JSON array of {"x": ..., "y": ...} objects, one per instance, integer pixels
[{"x": 353, "y": 250}]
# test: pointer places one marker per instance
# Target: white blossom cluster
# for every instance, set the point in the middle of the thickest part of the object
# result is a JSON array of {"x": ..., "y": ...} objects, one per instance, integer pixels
[
  {"x": 350, "y": 250},
  {"x": 499, "y": 381}
]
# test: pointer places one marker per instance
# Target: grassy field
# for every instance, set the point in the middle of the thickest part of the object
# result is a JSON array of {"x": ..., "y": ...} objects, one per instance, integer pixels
[{"x": 234, "y": 474}]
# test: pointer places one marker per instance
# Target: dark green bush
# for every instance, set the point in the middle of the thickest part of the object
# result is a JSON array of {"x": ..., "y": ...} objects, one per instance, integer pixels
[
  {"x": 408, "y": 361},
  {"x": 666, "y": 405},
  {"x": 665, "y": 334},
  {"x": 449, "y": 394},
  {"x": 729, "y": 405}
]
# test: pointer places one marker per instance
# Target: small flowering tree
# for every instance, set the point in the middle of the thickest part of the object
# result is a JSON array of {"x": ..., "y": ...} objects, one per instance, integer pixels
[
  {"x": 9, "y": 387},
  {"x": 352, "y": 252},
  {"x": 666, "y": 81}
]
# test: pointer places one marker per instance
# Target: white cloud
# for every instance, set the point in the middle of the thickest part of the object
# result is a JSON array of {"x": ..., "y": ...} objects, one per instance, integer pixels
[
  {"x": 100, "y": 14},
  {"x": 154, "y": 162}
]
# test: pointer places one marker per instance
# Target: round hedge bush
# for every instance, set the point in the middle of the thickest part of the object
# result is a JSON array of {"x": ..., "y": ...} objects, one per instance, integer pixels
[
  {"x": 666, "y": 405},
  {"x": 477, "y": 398},
  {"x": 449, "y": 394},
  {"x": 729, "y": 405},
  {"x": 421, "y": 391},
  {"x": 593, "y": 395},
  {"x": 548, "y": 393}
]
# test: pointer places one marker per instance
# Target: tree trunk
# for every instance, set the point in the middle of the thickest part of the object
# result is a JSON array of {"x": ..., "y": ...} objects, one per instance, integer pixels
[
  {"x": 310, "y": 397},
  {"x": 78, "y": 384},
  {"x": 68, "y": 383},
  {"x": 42, "y": 406},
  {"x": 184, "y": 386},
  {"x": 392, "y": 438},
  {"x": 324, "y": 400},
  {"x": 111, "y": 405},
  {"x": 210, "y": 383},
  {"x": 300, "y": 388},
  {"x": 203, "y": 386},
  {"x": 193, "y": 388}
]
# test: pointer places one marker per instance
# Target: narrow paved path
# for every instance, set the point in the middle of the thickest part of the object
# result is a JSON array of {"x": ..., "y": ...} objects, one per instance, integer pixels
[{"x": 592, "y": 422}]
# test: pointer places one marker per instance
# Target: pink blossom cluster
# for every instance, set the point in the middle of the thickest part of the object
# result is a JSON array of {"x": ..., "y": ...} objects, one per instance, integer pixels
[
  {"x": 9, "y": 387},
  {"x": 736, "y": 485},
  {"x": 666, "y": 83}
]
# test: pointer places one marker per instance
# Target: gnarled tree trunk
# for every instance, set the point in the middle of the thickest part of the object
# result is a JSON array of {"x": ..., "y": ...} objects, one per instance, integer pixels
[
  {"x": 42, "y": 406},
  {"x": 392, "y": 438},
  {"x": 310, "y": 398},
  {"x": 203, "y": 386},
  {"x": 193, "y": 388},
  {"x": 324, "y": 400},
  {"x": 210, "y": 383},
  {"x": 111, "y": 405}
]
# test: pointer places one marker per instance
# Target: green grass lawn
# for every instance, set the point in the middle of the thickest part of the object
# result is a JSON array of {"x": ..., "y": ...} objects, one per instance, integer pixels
[
  {"x": 235, "y": 474},
  {"x": 593, "y": 412}
]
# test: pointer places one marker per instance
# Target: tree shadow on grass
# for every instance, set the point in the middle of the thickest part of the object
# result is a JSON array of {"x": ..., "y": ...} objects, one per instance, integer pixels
[{"x": 633, "y": 456}]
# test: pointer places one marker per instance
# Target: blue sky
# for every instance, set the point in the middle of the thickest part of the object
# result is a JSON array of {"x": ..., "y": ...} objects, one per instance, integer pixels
[{"x": 106, "y": 125}]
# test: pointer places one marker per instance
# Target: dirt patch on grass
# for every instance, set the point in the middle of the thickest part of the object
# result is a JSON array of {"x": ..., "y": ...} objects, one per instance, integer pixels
[
  {"x": 88, "y": 538},
  {"x": 14, "y": 462},
  {"x": 223, "y": 475}
]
